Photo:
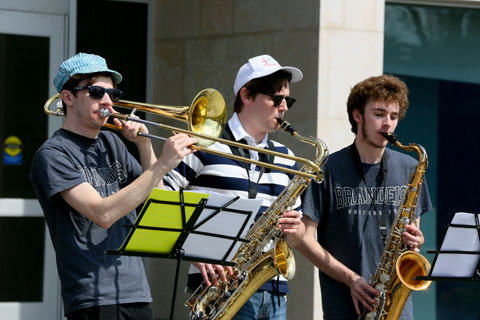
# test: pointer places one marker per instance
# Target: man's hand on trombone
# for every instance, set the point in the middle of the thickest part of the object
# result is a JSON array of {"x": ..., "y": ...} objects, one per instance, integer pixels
[
  {"x": 130, "y": 129},
  {"x": 173, "y": 151}
]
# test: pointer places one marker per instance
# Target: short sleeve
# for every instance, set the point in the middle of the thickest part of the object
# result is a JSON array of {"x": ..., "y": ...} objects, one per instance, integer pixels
[
  {"x": 311, "y": 201},
  {"x": 54, "y": 171}
]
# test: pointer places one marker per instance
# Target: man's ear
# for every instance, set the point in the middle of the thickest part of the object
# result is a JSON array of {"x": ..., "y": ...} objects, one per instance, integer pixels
[
  {"x": 67, "y": 97},
  {"x": 357, "y": 116},
  {"x": 246, "y": 99}
]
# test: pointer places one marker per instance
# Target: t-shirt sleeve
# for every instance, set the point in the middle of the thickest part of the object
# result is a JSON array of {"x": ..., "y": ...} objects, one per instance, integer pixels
[
  {"x": 54, "y": 171},
  {"x": 424, "y": 203},
  {"x": 311, "y": 201}
]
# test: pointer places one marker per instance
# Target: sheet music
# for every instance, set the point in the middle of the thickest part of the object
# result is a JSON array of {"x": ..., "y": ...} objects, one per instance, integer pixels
[
  {"x": 224, "y": 223},
  {"x": 459, "y": 239}
]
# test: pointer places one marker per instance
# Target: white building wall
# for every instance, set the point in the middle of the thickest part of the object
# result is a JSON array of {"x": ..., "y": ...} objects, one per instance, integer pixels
[
  {"x": 37, "y": 6},
  {"x": 351, "y": 49}
]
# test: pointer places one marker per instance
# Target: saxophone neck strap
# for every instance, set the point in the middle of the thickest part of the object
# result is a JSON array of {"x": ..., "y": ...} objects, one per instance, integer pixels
[
  {"x": 244, "y": 153},
  {"x": 381, "y": 218},
  {"x": 358, "y": 163}
]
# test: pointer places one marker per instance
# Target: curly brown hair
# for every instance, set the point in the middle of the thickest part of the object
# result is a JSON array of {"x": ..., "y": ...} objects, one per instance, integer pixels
[{"x": 385, "y": 88}]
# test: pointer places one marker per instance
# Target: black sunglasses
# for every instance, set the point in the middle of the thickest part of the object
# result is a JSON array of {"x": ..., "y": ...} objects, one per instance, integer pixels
[
  {"x": 97, "y": 92},
  {"x": 277, "y": 99}
]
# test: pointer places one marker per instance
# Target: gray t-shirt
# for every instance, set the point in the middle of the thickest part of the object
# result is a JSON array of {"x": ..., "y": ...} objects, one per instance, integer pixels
[
  {"x": 89, "y": 277},
  {"x": 348, "y": 219}
]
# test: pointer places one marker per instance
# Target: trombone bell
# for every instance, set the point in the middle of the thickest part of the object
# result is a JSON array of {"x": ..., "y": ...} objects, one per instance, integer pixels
[{"x": 208, "y": 115}]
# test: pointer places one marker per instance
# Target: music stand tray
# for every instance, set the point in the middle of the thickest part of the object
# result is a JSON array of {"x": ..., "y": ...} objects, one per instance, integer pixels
[
  {"x": 459, "y": 256},
  {"x": 193, "y": 226}
]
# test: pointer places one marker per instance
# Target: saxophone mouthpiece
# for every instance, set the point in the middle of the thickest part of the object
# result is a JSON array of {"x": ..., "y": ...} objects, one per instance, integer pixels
[
  {"x": 390, "y": 136},
  {"x": 287, "y": 127}
]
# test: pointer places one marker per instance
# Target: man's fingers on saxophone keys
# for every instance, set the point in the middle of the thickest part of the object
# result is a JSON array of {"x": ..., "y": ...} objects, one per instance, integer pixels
[
  {"x": 290, "y": 221},
  {"x": 355, "y": 303},
  {"x": 220, "y": 271},
  {"x": 229, "y": 270},
  {"x": 412, "y": 237},
  {"x": 214, "y": 271},
  {"x": 363, "y": 298},
  {"x": 203, "y": 271}
]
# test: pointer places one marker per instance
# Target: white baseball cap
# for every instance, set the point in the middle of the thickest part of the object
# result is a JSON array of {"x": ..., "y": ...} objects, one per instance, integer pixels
[{"x": 262, "y": 66}]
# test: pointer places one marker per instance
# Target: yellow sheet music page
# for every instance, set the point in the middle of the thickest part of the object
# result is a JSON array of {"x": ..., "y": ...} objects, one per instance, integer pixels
[{"x": 168, "y": 215}]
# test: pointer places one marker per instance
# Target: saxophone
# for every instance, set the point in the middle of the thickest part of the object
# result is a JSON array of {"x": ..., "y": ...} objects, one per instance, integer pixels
[
  {"x": 252, "y": 267},
  {"x": 398, "y": 267}
]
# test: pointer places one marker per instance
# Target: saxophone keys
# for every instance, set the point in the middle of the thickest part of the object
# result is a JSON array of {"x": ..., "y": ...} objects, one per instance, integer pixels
[
  {"x": 371, "y": 315},
  {"x": 384, "y": 278},
  {"x": 212, "y": 291},
  {"x": 380, "y": 287}
]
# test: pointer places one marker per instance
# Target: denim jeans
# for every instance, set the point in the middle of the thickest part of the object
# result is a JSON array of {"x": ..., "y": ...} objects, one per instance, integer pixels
[{"x": 263, "y": 305}]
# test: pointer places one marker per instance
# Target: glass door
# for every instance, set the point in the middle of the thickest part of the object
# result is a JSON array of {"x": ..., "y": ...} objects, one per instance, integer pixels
[{"x": 31, "y": 49}]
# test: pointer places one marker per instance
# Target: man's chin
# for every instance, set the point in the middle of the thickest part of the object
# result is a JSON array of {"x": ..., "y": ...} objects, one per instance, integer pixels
[
  {"x": 378, "y": 145},
  {"x": 274, "y": 127},
  {"x": 100, "y": 122}
]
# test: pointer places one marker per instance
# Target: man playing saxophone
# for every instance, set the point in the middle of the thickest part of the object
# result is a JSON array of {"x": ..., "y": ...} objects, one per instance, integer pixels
[
  {"x": 353, "y": 209},
  {"x": 262, "y": 89}
]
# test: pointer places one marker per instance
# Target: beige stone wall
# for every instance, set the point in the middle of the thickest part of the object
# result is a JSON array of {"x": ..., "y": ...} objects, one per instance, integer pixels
[
  {"x": 202, "y": 43},
  {"x": 351, "y": 49}
]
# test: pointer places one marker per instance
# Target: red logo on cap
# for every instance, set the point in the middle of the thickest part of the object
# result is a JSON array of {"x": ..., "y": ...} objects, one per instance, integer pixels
[{"x": 268, "y": 62}]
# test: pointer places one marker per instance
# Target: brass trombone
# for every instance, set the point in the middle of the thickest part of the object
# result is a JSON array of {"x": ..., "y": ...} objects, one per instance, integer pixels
[
  {"x": 206, "y": 115},
  {"x": 206, "y": 118}
]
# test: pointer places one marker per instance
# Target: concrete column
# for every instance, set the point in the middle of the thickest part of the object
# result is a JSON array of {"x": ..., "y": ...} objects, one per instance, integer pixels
[{"x": 351, "y": 49}]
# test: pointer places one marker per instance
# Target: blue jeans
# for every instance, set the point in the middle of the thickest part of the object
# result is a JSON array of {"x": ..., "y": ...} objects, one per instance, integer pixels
[{"x": 263, "y": 305}]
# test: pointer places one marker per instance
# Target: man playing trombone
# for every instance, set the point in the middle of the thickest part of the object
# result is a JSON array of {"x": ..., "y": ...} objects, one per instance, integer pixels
[
  {"x": 262, "y": 89},
  {"x": 89, "y": 187}
]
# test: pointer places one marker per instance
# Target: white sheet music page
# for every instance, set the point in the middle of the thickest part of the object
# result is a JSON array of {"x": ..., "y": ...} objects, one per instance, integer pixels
[
  {"x": 459, "y": 239},
  {"x": 224, "y": 223}
]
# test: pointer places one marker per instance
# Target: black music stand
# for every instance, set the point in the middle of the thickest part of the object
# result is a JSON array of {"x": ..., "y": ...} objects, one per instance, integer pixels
[
  {"x": 459, "y": 256},
  {"x": 189, "y": 226}
]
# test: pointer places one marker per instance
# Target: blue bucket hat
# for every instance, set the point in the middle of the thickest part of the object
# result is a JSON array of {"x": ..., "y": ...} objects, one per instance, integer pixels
[{"x": 83, "y": 63}]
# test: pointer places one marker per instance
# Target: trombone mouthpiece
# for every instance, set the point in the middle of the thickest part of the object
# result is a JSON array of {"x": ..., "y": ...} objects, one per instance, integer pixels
[
  {"x": 390, "y": 136},
  {"x": 104, "y": 113}
]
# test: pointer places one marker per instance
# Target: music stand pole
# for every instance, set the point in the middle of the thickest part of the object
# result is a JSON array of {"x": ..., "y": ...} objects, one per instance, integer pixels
[{"x": 180, "y": 253}]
